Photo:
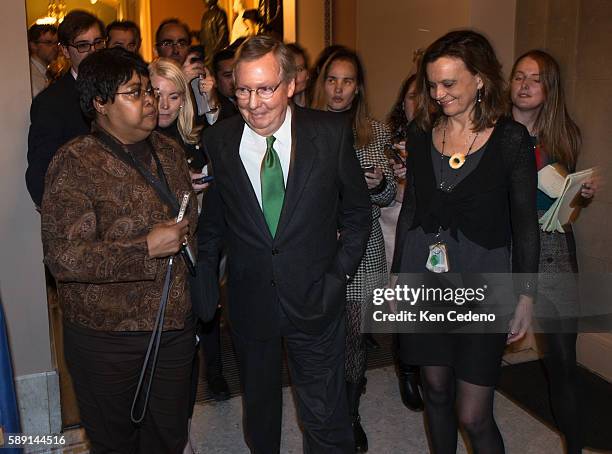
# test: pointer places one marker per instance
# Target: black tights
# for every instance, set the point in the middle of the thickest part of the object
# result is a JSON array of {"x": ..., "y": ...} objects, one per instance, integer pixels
[
  {"x": 562, "y": 374},
  {"x": 443, "y": 395}
]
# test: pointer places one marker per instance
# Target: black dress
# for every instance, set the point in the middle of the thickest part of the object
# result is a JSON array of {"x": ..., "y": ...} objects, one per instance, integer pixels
[{"x": 490, "y": 207}]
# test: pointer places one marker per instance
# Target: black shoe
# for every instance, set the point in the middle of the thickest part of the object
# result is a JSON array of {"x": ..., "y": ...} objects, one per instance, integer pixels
[
  {"x": 409, "y": 387},
  {"x": 218, "y": 388},
  {"x": 371, "y": 343},
  {"x": 353, "y": 392},
  {"x": 361, "y": 440}
]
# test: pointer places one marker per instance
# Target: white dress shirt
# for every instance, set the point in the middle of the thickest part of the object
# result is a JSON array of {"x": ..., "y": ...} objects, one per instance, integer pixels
[{"x": 253, "y": 149}]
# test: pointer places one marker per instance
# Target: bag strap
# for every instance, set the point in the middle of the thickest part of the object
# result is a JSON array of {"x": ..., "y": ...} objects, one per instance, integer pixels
[
  {"x": 162, "y": 188},
  {"x": 151, "y": 361}
]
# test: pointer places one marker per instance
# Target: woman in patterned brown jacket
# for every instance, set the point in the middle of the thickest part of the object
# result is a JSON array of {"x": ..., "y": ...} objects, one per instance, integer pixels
[{"x": 108, "y": 234}]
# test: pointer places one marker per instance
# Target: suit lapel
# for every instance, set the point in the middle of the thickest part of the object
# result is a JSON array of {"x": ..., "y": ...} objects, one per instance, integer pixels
[
  {"x": 240, "y": 179},
  {"x": 304, "y": 149}
]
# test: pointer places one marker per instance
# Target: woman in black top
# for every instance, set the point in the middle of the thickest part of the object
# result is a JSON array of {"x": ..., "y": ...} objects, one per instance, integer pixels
[{"x": 471, "y": 187}]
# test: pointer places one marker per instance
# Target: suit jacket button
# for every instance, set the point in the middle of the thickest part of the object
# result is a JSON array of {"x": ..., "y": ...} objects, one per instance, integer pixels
[
  {"x": 275, "y": 251},
  {"x": 273, "y": 283}
]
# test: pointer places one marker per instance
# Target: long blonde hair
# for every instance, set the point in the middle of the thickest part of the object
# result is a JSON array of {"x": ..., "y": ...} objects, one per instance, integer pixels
[
  {"x": 170, "y": 70},
  {"x": 362, "y": 125}
]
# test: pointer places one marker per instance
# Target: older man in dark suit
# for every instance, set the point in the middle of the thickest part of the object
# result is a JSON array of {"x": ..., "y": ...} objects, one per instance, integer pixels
[
  {"x": 55, "y": 114},
  {"x": 286, "y": 182}
]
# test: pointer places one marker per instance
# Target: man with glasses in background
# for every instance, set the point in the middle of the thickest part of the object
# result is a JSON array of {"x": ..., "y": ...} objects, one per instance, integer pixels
[
  {"x": 124, "y": 34},
  {"x": 172, "y": 40},
  {"x": 42, "y": 44},
  {"x": 55, "y": 115}
]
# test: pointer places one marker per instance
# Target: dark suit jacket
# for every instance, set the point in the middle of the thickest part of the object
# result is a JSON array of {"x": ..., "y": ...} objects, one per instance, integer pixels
[
  {"x": 55, "y": 118},
  {"x": 304, "y": 267}
]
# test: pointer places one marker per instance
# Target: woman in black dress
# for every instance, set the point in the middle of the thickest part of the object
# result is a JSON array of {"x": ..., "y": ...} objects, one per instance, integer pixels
[{"x": 471, "y": 186}]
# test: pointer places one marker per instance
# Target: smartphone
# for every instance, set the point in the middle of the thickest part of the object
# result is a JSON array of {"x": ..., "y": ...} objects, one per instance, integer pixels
[
  {"x": 202, "y": 180},
  {"x": 392, "y": 153},
  {"x": 398, "y": 158},
  {"x": 183, "y": 207}
]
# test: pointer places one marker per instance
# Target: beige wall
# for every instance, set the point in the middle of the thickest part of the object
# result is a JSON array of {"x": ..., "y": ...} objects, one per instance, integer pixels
[
  {"x": 389, "y": 32},
  {"x": 578, "y": 34},
  {"x": 21, "y": 270},
  {"x": 496, "y": 19},
  {"x": 344, "y": 20},
  {"x": 311, "y": 26}
]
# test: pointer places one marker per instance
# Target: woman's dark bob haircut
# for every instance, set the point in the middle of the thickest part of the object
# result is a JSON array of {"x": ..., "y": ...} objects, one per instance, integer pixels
[
  {"x": 103, "y": 72},
  {"x": 475, "y": 51}
]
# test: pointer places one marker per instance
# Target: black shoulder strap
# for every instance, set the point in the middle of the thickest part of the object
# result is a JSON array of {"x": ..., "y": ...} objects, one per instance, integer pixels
[{"x": 160, "y": 185}]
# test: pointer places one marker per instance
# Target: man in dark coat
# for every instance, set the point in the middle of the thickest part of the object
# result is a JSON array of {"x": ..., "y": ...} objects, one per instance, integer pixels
[
  {"x": 55, "y": 115},
  {"x": 290, "y": 204}
]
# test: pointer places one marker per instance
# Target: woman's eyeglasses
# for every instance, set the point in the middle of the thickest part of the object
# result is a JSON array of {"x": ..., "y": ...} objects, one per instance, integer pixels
[{"x": 138, "y": 93}]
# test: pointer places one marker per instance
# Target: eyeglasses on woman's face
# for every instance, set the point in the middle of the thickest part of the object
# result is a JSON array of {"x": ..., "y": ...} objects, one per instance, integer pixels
[{"x": 138, "y": 93}]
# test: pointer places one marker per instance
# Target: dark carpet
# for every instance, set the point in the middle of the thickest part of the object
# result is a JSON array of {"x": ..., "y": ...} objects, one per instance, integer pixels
[{"x": 526, "y": 385}]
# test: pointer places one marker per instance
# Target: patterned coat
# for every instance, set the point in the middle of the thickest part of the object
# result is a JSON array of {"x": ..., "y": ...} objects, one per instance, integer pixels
[
  {"x": 372, "y": 271},
  {"x": 96, "y": 214}
]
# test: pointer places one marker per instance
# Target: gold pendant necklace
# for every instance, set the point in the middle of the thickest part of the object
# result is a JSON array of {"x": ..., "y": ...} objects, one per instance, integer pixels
[{"x": 457, "y": 160}]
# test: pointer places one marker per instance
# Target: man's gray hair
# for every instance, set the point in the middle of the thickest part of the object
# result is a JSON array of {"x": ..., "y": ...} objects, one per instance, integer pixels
[{"x": 256, "y": 47}]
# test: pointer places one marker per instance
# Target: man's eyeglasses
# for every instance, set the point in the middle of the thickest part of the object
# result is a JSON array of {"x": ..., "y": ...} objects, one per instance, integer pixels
[
  {"x": 84, "y": 47},
  {"x": 139, "y": 93},
  {"x": 262, "y": 92},
  {"x": 181, "y": 43}
]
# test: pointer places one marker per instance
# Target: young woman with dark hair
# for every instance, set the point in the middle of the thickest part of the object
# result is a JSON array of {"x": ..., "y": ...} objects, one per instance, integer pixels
[{"x": 340, "y": 87}]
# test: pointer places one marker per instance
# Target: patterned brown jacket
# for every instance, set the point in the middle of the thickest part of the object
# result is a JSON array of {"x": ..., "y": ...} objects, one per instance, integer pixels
[{"x": 96, "y": 214}]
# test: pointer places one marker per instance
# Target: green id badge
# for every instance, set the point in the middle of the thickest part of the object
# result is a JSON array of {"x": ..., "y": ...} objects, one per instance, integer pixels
[{"x": 437, "y": 261}]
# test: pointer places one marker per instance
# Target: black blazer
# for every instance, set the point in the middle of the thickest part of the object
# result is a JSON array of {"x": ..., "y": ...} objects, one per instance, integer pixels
[
  {"x": 304, "y": 268},
  {"x": 55, "y": 118}
]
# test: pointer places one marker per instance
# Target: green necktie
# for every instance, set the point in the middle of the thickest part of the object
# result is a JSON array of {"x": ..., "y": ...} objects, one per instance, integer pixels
[{"x": 272, "y": 186}]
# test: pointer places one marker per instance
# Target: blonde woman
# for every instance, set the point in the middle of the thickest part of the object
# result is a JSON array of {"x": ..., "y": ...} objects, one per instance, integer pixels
[
  {"x": 176, "y": 116},
  {"x": 177, "y": 120}
]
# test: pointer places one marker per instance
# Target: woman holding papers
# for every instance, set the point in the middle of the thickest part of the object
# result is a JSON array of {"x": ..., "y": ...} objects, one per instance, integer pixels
[
  {"x": 538, "y": 102},
  {"x": 470, "y": 193}
]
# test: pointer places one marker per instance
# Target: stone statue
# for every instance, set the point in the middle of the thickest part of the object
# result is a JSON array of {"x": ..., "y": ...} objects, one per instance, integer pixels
[
  {"x": 239, "y": 29},
  {"x": 214, "y": 34}
]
